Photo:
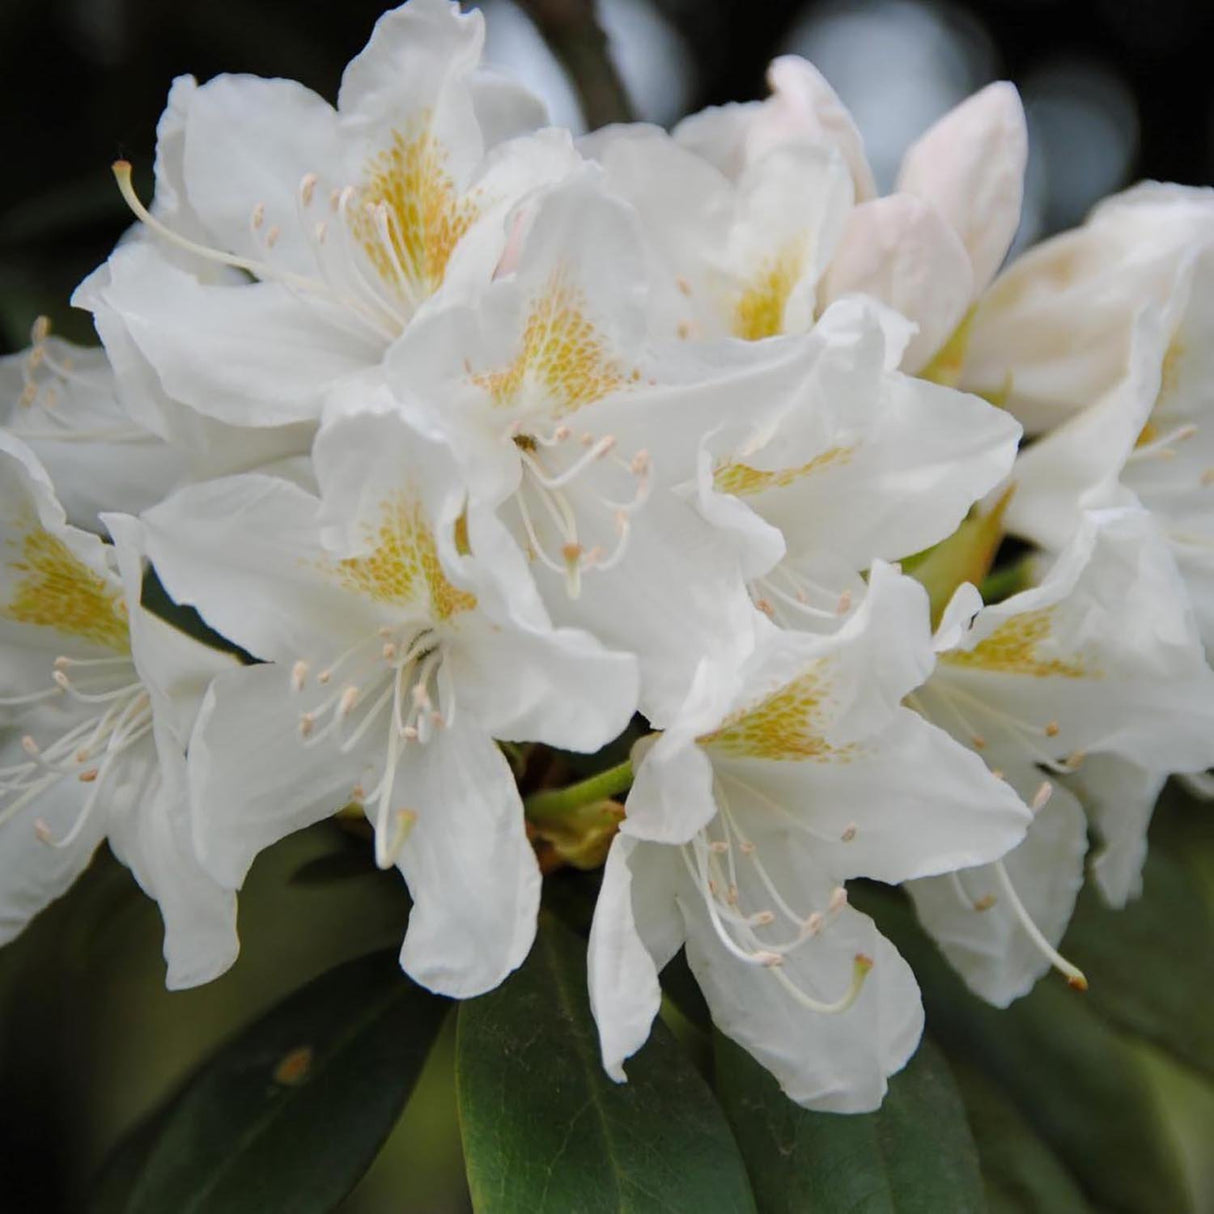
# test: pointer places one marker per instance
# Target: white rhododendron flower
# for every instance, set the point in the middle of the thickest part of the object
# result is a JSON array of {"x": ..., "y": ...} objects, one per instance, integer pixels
[
  {"x": 930, "y": 248},
  {"x": 740, "y": 257},
  {"x": 349, "y": 220},
  {"x": 97, "y": 698},
  {"x": 393, "y": 661},
  {"x": 1101, "y": 659},
  {"x": 778, "y": 782}
]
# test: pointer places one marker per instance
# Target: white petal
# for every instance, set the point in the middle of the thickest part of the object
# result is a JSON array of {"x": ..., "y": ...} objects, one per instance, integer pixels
[
  {"x": 470, "y": 868},
  {"x": 152, "y": 839},
  {"x": 212, "y": 447},
  {"x": 719, "y": 134},
  {"x": 636, "y": 931},
  {"x": 250, "y": 142},
  {"x": 560, "y": 687},
  {"x": 910, "y": 803},
  {"x": 672, "y": 794},
  {"x": 970, "y": 167},
  {"x": 837, "y": 1063},
  {"x": 415, "y": 52},
  {"x": 675, "y": 597},
  {"x": 1119, "y": 798},
  {"x": 957, "y": 617},
  {"x": 246, "y": 552},
  {"x": 253, "y": 778},
  {"x": 901, "y": 251},
  {"x": 989, "y": 947},
  {"x": 504, "y": 109},
  {"x": 257, "y": 354},
  {"x": 803, "y": 105},
  {"x": 1084, "y": 457}
]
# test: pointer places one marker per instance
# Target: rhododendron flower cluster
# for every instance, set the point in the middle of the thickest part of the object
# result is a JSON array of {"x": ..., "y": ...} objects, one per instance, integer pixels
[{"x": 477, "y": 443}]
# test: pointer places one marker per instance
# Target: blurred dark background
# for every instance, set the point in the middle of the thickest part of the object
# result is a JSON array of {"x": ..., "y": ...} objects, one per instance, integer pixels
[{"x": 1116, "y": 90}]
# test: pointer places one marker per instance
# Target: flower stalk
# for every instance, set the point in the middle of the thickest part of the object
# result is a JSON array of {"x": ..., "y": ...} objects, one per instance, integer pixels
[{"x": 556, "y": 803}]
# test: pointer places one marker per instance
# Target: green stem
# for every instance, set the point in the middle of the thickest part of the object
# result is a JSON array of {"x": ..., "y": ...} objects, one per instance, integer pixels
[{"x": 557, "y": 802}]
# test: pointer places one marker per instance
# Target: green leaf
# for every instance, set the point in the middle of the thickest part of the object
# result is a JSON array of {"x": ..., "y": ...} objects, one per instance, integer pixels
[
  {"x": 681, "y": 988},
  {"x": 1075, "y": 1078},
  {"x": 289, "y": 1114},
  {"x": 1022, "y": 1175},
  {"x": 915, "y": 1154},
  {"x": 545, "y": 1129},
  {"x": 1150, "y": 967}
]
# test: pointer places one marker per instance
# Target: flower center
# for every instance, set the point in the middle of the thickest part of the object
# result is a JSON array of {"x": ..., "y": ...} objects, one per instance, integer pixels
[{"x": 552, "y": 467}]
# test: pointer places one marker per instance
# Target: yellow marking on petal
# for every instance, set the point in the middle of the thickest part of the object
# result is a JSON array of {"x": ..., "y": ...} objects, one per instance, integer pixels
[
  {"x": 563, "y": 355},
  {"x": 427, "y": 217},
  {"x": 759, "y": 311},
  {"x": 1015, "y": 648},
  {"x": 403, "y": 566},
  {"x": 56, "y": 589},
  {"x": 742, "y": 479},
  {"x": 783, "y": 726}
]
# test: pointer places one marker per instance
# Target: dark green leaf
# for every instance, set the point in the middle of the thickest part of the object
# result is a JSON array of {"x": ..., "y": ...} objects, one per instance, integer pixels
[
  {"x": 546, "y": 1130},
  {"x": 681, "y": 988},
  {"x": 1151, "y": 965},
  {"x": 914, "y": 1156},
  {"x": 352, "y": 857},
  {"x": 1075, "y": 1079},
  {"x": 289, "y": 1114},
  {"x": 1022, "y": 1175}
]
